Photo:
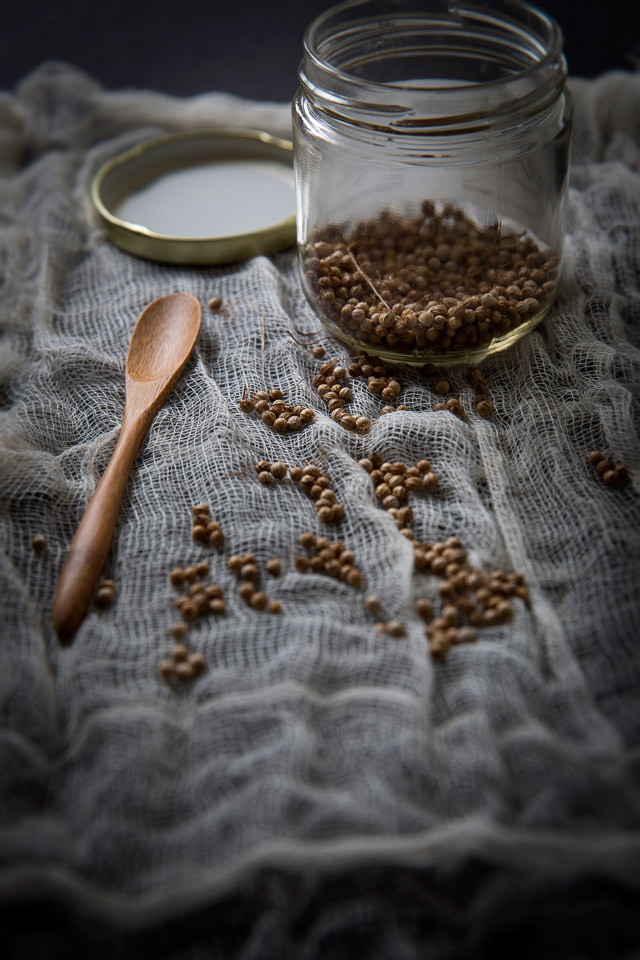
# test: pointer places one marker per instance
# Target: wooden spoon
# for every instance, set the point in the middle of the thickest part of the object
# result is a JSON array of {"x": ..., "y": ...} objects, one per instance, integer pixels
[{"x": 161, "y": 343}]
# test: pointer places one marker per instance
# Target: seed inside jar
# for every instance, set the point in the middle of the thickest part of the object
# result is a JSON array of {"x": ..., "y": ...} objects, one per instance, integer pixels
[{"x": 434, "y": 282}]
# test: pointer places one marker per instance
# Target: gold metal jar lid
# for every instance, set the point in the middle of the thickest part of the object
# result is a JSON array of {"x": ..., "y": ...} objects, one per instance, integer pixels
[{"x": 201, "y": 197}]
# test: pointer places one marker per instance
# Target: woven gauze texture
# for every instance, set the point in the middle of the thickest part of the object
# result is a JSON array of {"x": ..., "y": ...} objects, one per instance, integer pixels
[{"x": 312, "y": 741}]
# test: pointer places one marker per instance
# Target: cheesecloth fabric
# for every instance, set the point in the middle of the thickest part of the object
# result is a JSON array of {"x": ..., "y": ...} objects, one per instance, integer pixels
[{"x": 323, "y": 789}]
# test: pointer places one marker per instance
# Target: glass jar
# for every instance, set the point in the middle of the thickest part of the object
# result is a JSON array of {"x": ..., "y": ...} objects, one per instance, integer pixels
[{"x": 431, "y": 152}]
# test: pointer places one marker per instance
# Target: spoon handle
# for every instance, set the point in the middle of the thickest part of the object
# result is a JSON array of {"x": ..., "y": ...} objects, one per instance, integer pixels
[{"x": 90, "y": 546}]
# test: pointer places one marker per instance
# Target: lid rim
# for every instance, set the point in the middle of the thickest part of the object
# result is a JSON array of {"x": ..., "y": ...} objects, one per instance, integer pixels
[{"x": 117, "y": 229}]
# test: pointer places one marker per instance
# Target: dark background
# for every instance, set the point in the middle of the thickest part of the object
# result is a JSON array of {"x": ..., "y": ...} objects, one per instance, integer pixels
[{"x": 246, "y": 47}]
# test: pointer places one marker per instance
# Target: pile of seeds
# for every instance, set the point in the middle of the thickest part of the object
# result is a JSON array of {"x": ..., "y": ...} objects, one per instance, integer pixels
[
  {"x": 311, "y": 479},
  {"x": 199, "y": 599},
  {"x": 332, "y": 559},
  {"x": 275, "y": 412},
  {"x": 105, "y": 594},
  {"x": 394, "y": 481},
  {"x": 204, "y": 528},
  {"x": 246, "y": 568},
  {"x": 480, "y": 399},
  {"x": 182, "y": 664},
  {"x": 335, "y": 394},
  {"x": 612, "y": 474},
  {"x": 467, "y": 593},
  {"x": 453, "y": 405},
  {"x": 434, "y": 282}
]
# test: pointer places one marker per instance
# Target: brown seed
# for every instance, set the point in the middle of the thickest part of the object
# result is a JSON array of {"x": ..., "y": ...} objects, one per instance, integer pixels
[
  {"x": 200, "y": 508},
  {"x": 279, "y": 469},
  {"x": 325, "y": 514},
  {"x": 595, "y": 457},
  {"x": 246, "y": 405},
  {"x": 202, "y": 568},
  {"x": 178, "y": 630},
  {"x": 372, "y": 603},
  {"x": 185, "y": 671},
  {"x": 430, "y": 481},
  {"x": 611, "y": 478},
  {"x": 216, "y": 538},
  {"x": 179, "y": 652},
  {"x": 216, "y": 606},
  {"x": 215, "y": 303},
  {"x": 189, "y": 611},
  {"x": 213, "y": 591},
  {"x": 105, "y": 597},
  {"x": 318, "y": 352},
  {"x": 296, "y": 473},
  {"x": 484, "y": 408},
  {"x": 235, "y": 563},
  {"x": 199, "y": 532},
  {"x": 197, "y": 662},
  {"x": 190, "y": 574},
  {"x": 274, "y": 567},
  {"x": 38, "y": 543},
  {"x": 259, "y": 600},
  {"x": 423, "y": 466},
  {"x": 301, "y": 563},
  {"x": 274, "y": 606},
  {"x": 465, "y": 635},
  {"x": 395, "y": 628},
  {"x": 353, "y": 577},
  {"x": 195, "y": 588},
  {"x": 246, "y": 590},
  {"x": 166, "y": 668},
  {"x": 176, "y": 577},
  {"x": 604, "y": 466},
  {"x": 442, "y": 387},
  {"x": 308, "y": 539},
  {"x": 265, "y": 477},
  {"x": 249, "y": 571},
  {"x": 424, "y": 608}
]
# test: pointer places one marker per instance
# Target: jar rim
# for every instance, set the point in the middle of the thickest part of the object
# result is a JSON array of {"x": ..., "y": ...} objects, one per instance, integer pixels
[{"x": 531, "y": 85}]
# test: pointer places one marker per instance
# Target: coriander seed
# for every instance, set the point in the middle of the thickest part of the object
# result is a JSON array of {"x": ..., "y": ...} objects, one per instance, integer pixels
[{"x": 38, "y": 543}]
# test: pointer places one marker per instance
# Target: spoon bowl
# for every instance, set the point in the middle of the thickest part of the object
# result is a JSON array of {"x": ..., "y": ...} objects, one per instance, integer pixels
[
  {"x": 161, "y": 343},
  {"x": 164, "y": 337}
]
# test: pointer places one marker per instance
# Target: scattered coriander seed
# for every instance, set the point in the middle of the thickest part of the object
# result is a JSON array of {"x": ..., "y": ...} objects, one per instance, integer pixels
[
  {"x": 442, "y": 387},
  {"x": 258, "y": 600},
  {"x": 166, "y": 669},
  {"x": 199, "y": 532},
  {"x": 484, "y": 408},
  {"x": 200, "y": 508},
  {"x": 189, "y": 611},
  {"x": 216, "y": 605},
  {"x": 38, "y": 543},
  {"x": 595, "y": 457},
  {"x": 274, "y": 567},
  {"x": 424, "y": 608},
  {"x": 274, "y": 606},
  {"x": 249, "y": 571},
  {"x": 178, "y": 630},
  {"x": 213, "y": 591},
  {"x": 301, "y": 563},
  {"x": 246, "y": 590},
  {"x": 202, "y": 568},
  {"x": 430, "y": 481},
  {"x": 372, "y": 603},
  {"x": 215, "y": 303},
  {"x": 318, "y": 352},
  {"x": 105, "y": 597},
  {"x": 197, "y": 662},
  {"x": 185, "y": 671},
  {"x": 265, "y": 477},
  {"x": 179, "y": 652},
  {"x": 190, "y": 574},
  {"x": 216, "y": 538},
  {"x": 279, "y": 470},
  {"x": 235, "y": 563}
]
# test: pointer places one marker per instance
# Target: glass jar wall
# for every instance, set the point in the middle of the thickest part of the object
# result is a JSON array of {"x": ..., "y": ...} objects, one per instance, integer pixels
[{"x": 431, "y": 150}]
